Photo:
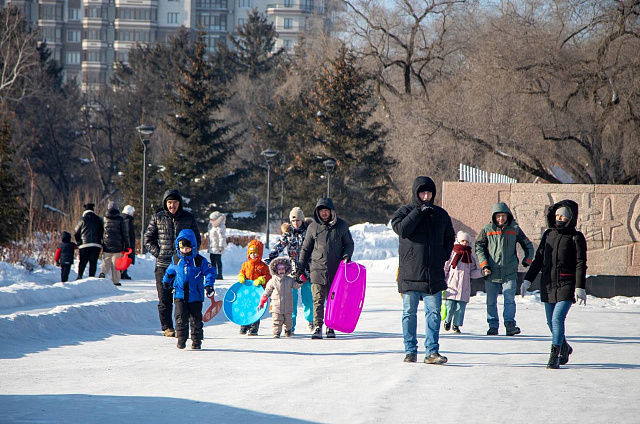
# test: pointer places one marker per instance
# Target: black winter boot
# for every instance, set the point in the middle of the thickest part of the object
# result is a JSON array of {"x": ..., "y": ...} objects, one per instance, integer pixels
[
  {"x": 554, "y": 358},
  {"x": 512, "y": 330},
  {"x": 565, "y": 351},
  {"x": 330, "y": 333},
  {"x": 317, "y": 334}
]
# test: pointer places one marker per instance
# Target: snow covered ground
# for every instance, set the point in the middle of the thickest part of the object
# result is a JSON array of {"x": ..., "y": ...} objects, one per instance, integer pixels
[{"x": 88, "y": 352}]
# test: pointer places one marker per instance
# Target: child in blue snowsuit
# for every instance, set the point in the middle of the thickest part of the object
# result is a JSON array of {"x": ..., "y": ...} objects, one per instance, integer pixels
[{"x": 191, "y": 275}]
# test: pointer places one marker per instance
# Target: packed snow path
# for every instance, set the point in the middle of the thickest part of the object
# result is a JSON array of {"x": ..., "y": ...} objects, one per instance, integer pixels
[{"x": 88, "y": 352}]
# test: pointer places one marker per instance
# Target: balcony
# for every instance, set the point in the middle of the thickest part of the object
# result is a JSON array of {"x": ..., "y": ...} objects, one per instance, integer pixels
[{"x": 294, "y": 8}]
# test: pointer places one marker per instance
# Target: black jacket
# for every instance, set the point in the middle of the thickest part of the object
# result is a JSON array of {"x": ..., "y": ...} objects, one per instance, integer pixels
[
  {"x": 89, "y": 230},
  {"x": 116, "y": 233},
  {"x": 562, "y": 257},
  {"x": 325, "y": 244},
  {"x": 426, "y": 242},
  {"x": 164, "y": 228},
  {"x": 128, "y": 219},
  {"x": 67, "y": 248}
]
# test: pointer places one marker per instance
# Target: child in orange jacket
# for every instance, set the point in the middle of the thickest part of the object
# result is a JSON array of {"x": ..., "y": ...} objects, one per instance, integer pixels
[{"x": 256, "y": 270}]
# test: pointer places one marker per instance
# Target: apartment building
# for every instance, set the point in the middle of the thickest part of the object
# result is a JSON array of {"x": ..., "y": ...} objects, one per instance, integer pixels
[{"x": 88, "y": 37}]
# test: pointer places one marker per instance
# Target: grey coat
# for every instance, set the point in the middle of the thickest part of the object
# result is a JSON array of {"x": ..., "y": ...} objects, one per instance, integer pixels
[{"x": 325, "y": 245}]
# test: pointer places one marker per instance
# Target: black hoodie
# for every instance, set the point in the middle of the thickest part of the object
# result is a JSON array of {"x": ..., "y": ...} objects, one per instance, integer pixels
[
  {"x": 426, "y": 242},
  {"x": 325, "y": 244},
  {"x": 561, "y": 256},
  {"x": 164, "y": 228}
]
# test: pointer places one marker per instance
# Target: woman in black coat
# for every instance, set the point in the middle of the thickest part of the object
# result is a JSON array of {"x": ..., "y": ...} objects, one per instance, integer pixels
[{"x": 562, "y": 258}]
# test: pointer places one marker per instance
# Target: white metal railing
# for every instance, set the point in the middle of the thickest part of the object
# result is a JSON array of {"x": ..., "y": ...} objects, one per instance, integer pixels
[{"x": 469, "y": 174}]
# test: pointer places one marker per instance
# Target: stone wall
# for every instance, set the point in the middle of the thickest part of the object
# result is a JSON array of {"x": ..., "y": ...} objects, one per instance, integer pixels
[{"x": 609, "y": 217}]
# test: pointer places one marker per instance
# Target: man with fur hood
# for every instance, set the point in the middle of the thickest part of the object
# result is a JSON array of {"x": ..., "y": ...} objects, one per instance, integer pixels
[
  {"x": 426, "y": 241},
  {"x": 280, "y": 289},
  {"x": 328, "y": 241},
  {"x": 159, "y": 240},
  {"x": 497, "y": 257}
]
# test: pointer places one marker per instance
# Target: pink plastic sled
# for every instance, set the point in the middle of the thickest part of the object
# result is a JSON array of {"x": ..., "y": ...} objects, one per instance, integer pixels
[{"x": 346, "y": 297}]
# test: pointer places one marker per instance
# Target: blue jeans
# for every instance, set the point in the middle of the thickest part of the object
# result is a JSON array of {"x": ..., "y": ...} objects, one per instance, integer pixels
[
  {"x": 307, "y": 303},
  {"x": 432, "y": 305},
  {"x": 556, "y": 314},
  {"x": 455, "y": 311},
  {"x": 509, "y": 295}
]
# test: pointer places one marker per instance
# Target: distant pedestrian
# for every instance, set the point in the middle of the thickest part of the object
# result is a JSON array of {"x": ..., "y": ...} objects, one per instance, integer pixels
[
  {"x": 64, "y": 256},
  {"x": 327, "y": 243},
  {"x": 217, "y": 235},
  {"x": 88, "y": 235},
  {"x": 159, "y": 240},
  {"x": 426, "y": 240},
  {"x": 562, "y": 258},
  {"x": 458, "y": 272},
  {"x": 127, "y": 214},
  {"x": 496, "y": 251},
  {"x": 115, "y": 242}
]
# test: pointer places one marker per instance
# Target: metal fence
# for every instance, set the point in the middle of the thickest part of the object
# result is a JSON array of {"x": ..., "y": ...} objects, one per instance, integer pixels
[{"x": 469, "y": 174}]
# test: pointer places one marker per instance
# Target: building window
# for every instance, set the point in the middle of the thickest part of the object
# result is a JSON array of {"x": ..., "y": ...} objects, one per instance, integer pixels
[
  {"x": 99, "y": 34},
  {"x": 95, "y": 12},
  {"x": 244, "y": 3},
  {"x": 143, "y": 36},
  {"x": 288, "y": 3},
  {"x": 288, "y": 23},
  {"x": 122, "y": 56},
  {"x": 286, "y": 44},
  {"x": 51, "y": 34},
  {"x": 241, "y": 21},
  {"x": 94, "y": 56},
  {"x": 73, "y": 58},
  {"x": 212, "y": 4},
  {"x": 212, "y": 22},
  {"x": 74, "y": 14},
  {"x": 73, "y": 36},
  {"x": 308, "y": 4},
  {"x": 173, "y": 18},
  {"x": 137, "y": 14},
  {"x": 51, "y": 12}
]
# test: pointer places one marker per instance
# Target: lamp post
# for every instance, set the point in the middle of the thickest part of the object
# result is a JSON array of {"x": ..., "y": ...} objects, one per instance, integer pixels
[
  {"x": 283, "y": 162},
  {"x": 145, "y": 132},
  {"x": 268, "y": 154},
  {"x": 330, "y": 165}
]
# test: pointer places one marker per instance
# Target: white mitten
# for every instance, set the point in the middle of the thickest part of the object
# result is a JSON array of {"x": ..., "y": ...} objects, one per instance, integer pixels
[
  {"x": 581, "y": 294},
  {"x": 524, "y": 287}
]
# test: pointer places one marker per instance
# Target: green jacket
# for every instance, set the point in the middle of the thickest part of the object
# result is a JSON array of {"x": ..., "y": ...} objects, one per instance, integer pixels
[{"x": 496, "y": 247}]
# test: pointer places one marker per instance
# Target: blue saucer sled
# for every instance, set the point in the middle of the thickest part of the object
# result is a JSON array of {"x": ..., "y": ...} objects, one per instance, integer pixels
[{"x": 240, "y": 303}]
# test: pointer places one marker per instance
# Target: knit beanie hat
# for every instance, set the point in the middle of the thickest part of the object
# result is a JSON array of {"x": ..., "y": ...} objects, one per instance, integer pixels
[
  {"x": 463, "y": 236},
  {"x": 564, "y": 211},
  {"x": 129, "y": 210},
  {"x": 252, "y": 249},
  {"x": 89, "y": 206},
  {"x": 111, "y": 206},
  {"x": 184, "y": 243},
  {"x": 296, "y": 214}
]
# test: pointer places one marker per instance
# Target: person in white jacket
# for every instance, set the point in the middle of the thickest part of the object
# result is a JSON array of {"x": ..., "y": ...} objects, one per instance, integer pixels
[
  {"x": 458, "y": 271},
  {"x": 217, "y": 235}
]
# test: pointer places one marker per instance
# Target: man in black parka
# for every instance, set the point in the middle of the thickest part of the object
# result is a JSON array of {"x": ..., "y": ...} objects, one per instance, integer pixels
[
  {"x": 328, "y": 241},
  {"x": 88, "y": 235},
  {"x": 159, "y": 240},
  {"x": 426, "y": 241}
]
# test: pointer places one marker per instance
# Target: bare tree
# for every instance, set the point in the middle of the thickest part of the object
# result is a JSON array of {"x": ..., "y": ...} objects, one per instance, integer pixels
[{"x": 18, "y": 55}]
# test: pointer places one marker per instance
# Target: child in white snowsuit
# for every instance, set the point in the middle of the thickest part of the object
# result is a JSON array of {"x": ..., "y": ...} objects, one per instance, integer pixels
[
  {"x": 279, "y": 289},
  {"x": 458, "y": 272}
]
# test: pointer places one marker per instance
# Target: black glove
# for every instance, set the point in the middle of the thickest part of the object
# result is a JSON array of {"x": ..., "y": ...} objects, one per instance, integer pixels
[
  {"x": 426, "y": 207},
  {"x": 298, "y": 273},
  {"x": 167, "y": 286},
  {"x": 347, "y": 258},
  {"x": 209, "y": 290},
  {"x": 525, "y": 263}
]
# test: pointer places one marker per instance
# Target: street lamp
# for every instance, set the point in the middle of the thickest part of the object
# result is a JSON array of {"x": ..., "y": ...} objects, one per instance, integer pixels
[
  {"x": 268, "y": 154},
  {"x": 283, "y": 162},
  {"x": 330, "y": 165},
  {"x": 144, "y": 132}
]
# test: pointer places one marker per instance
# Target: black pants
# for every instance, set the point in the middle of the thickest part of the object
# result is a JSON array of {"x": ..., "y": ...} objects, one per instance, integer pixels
[
  {"x": 216, "y": 262},
  {"x": 64, "y": 272},
  {"x": 320, "y": 293},
  {"x": 188, "y": 313},
  {"x": 165, "y": 299},
  {"x": 253, "y": 328},
  {"x": 90, "y": 255}
]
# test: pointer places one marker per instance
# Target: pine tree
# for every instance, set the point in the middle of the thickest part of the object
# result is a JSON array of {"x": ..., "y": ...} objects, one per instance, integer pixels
[
  {"x": 12, "y": 215},
  {"x": 340, "y": 105},
  {"x": 199, "y": 166}
]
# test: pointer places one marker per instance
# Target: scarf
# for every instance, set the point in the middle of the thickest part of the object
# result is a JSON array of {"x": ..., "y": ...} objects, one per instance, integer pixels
[{"x": 461, "y": 253}]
